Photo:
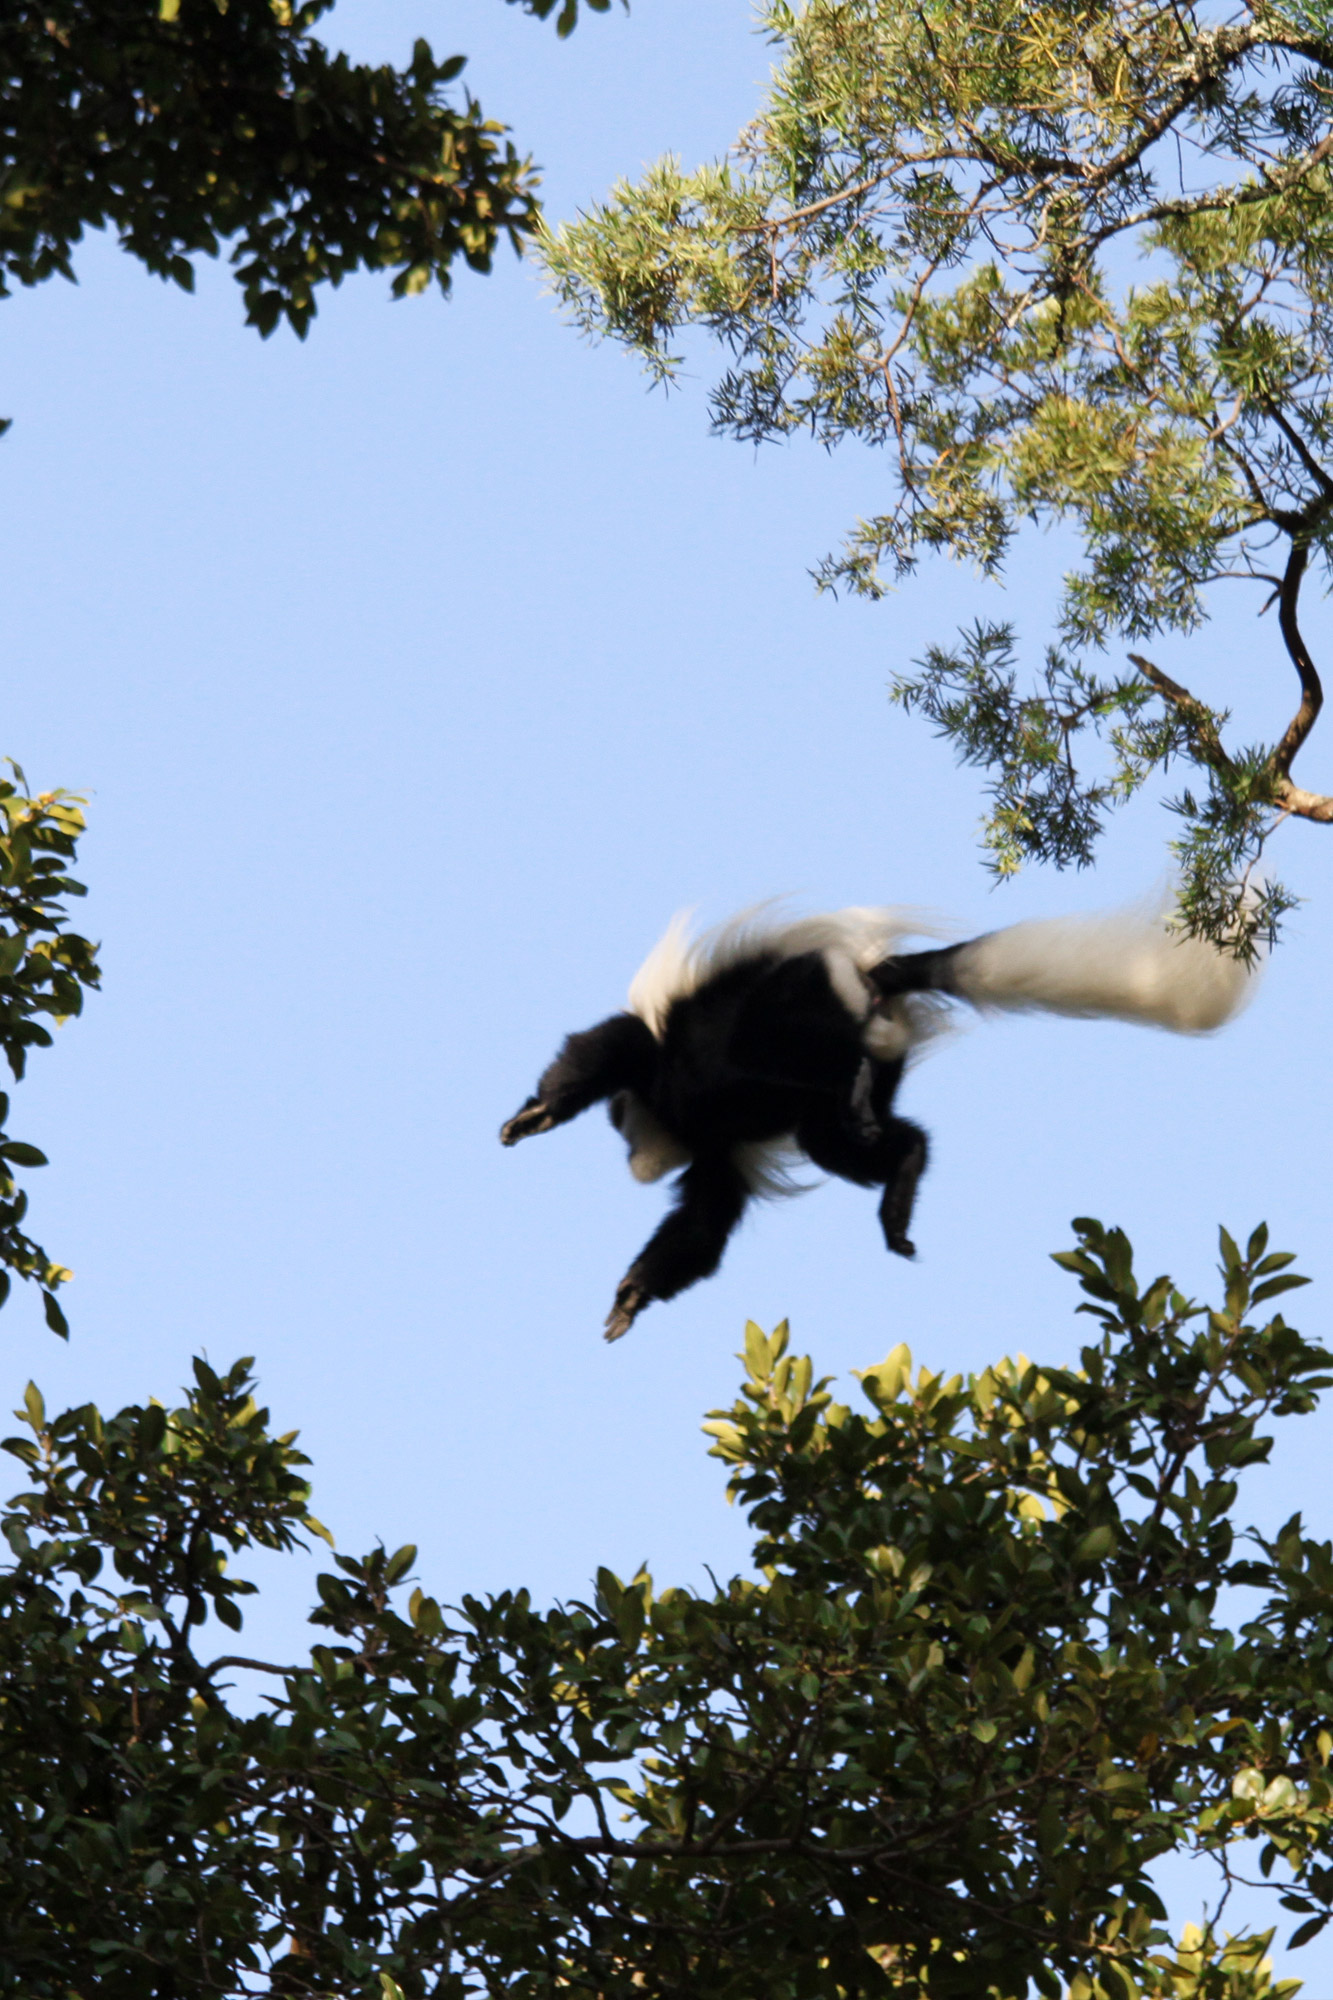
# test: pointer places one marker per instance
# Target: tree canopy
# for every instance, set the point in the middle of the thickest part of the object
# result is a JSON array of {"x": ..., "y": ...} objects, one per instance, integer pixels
[
  {"x": 188, "y": 126},
  {"x": 1006, "y": 1640},
  {"x": 1004, "y": 1644},
  {"x": 1066, "y": 263}
]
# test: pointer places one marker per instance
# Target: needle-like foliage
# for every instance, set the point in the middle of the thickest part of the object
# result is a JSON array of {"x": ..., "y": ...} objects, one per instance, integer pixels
[{"x": 1066, "y": 261}]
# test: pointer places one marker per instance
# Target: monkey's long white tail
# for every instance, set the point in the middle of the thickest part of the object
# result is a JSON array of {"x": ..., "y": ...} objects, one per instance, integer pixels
[{"x": 1128, "y": 964}]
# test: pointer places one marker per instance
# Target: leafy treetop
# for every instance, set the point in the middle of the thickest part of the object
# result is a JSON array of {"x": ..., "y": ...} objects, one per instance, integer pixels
[
  {"x": 185, "y": 125},
  {"x": 1066, "y": 261},
  {"x": 991, "y": 1663}
]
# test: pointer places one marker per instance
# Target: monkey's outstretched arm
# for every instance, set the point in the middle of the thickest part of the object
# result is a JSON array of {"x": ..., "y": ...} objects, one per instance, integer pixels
[
  {"x": 619, "y": 1054},
  {"x": 710, "y": 1200}
]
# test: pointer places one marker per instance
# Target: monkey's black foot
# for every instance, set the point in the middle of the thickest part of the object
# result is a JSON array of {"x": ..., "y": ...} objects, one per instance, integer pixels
[
  {"x": 900, "y": 1245},
  {"x": 630, "y": 1302},
  {"x": 525, "y": 1124}
]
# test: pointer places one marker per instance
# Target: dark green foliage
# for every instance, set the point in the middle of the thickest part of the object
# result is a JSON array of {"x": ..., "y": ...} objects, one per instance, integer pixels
[
  {"x": 185, "y": 125},
  {"x": 44, "y": 971},
  {"x": 568, "y": 15},
  {"x": 991, "y": 1663},
  {"x": 1042, "y": 807}
]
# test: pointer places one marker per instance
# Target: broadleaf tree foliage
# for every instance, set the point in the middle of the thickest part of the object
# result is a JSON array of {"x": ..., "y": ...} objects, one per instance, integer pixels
[
  {"x": 992, "y": 1661},
  {"x": 1066, "y": 261},
  {"x": 188, "y": 126},
  {"x": 45, "y": 969}
]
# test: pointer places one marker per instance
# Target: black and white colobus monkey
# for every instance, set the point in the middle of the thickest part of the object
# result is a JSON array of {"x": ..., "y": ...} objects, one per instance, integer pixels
[{"x": 764, "y": 1039}]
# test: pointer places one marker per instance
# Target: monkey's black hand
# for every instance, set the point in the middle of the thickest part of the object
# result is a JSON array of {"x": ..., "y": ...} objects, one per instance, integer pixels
[
  {"x": 900, "y": 1245},
  {"x": 630, "y": 1302},
  {"x": 535, "y": 1116}
]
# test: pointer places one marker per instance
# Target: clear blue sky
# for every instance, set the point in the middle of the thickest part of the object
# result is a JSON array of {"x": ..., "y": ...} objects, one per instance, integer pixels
[{"x": 418, "y": 674}]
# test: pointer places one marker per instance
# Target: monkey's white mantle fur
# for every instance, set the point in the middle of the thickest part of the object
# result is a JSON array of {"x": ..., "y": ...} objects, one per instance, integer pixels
[{"x": 1131, "y": 964}]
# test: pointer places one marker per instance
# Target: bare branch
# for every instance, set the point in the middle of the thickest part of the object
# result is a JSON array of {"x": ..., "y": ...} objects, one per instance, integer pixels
[
  {"x": 1304, "y": 805},
  {"x": 239, "y": 1660},
  {"x": 1196, "y": 715},
  {"x": 1198, "y": 718},
  {"x": 1312, "y": 693}
]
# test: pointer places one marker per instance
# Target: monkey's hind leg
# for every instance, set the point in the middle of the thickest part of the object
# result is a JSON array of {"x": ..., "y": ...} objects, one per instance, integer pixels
[
  {"x": 687, "y": 1245},
  {"x": 895, "y": 1159},
  {"x": 619, "y": 1054},
  {"x": 899, "y": 1197}
]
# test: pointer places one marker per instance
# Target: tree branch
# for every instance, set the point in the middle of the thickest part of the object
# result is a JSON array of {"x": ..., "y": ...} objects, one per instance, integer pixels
[
  {"x": 238, "y": 1660},
  {"x": 1305, "y": 805},
  {"x": 1224, "y": 48},
  {"x": 1218, "y": 199},
  {"x": 1202, "y": 730},
  {"x": 1273, "y": 410},
  {"x": 1312, "y": 693},
  {"x": 1196, "y": 716}
]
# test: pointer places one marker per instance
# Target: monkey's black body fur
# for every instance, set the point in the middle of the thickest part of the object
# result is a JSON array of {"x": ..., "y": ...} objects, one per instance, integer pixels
[
  {"x": 767, "y": 1032},
  {"x": 764, "y": 1050}
]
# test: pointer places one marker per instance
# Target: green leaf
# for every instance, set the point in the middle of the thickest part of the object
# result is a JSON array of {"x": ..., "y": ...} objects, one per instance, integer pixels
[
  {"x": 1272, "y": 1286},
  {"x": 396, "y": 1568},
  {"x": 630, "y": 1618},
  {"x": 1117, "y": 1981},
  {"x": 1051, "y": 1826},
  {"x": 758, "y": 1358},
  {"x": 610, "y": 1590}
]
